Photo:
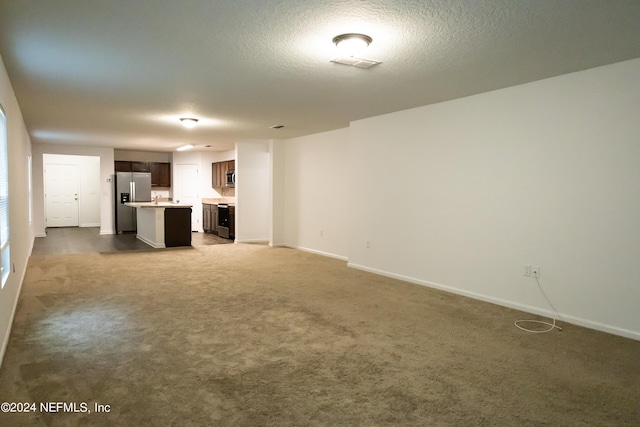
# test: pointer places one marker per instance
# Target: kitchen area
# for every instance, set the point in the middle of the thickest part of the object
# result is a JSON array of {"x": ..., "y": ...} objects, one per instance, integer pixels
[
  {"x": 249, "y": 202},
  {"x": 218, "y": 214},
  {"x": 163, "y": 202}
]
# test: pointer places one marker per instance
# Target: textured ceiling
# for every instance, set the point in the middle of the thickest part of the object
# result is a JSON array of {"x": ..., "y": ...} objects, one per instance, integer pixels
[{"x": 120, "y": 73}]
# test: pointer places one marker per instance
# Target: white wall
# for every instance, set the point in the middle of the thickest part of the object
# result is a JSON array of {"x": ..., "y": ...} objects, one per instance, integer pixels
[
  {"x": 20, "y": 230},
  {"x": 106, "y": 183},
  {"x": 316, "y": 191},
  {"x": 253, "y": 191},
  {"x": 460, "y": 195},
  {"x": 88, "y": 185}
]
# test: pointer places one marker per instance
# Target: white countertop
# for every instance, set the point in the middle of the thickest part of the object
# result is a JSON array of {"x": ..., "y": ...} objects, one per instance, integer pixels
[{"x": 154, "y": 205}]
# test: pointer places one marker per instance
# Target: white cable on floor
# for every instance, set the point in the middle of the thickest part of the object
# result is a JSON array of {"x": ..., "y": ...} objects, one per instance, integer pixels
[{"x": 551, "y": 325}]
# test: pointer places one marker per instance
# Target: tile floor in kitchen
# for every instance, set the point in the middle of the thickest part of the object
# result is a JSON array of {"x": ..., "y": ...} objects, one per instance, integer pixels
[{"x": 70, "y": 240}]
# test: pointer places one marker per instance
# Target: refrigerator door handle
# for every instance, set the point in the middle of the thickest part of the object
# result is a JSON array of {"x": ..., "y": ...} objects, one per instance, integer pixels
[{"x": 132, "y": 192}]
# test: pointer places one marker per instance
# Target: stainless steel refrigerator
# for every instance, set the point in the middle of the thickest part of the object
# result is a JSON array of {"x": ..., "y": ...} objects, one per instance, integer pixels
[{"x": 130, "y": 187}]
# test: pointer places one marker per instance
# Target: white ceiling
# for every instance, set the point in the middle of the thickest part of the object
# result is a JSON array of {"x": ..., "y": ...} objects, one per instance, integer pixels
[{"x": 120, "y": 73}]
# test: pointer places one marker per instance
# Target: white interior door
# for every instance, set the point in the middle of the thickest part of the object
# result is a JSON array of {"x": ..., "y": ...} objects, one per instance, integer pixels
[
  {"x": 186, "y": 190},
  {"x": 61, "y": 195}
]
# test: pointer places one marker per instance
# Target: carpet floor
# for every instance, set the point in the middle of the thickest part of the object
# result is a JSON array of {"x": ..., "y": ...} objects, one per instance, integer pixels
[{"x": 248, "y": 335}]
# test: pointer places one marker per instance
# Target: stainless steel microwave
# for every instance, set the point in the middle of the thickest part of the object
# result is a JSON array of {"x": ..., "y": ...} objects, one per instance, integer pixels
[{"x": 231, "y": 179}]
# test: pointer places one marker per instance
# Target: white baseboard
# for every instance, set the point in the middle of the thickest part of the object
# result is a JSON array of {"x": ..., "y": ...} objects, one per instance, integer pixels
[
  {"x": 90, "y": 224},
  {"x": 150, "y": 243},
  {"x": 635, "y": 335},
  {"x": 317, "y": 252},
  {"x": 40, "y": 235},
  {"x": 7, "y": 335},
  {"x": 251, "y": 241},
  {"x": 107, "y": 232}
]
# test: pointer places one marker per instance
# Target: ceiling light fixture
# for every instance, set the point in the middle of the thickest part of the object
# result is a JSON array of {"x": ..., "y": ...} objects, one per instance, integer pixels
[
  {"x": 188, "y": 122},
  {"x": 185, "y": 147},
  {"x": 352, "y": 44}
]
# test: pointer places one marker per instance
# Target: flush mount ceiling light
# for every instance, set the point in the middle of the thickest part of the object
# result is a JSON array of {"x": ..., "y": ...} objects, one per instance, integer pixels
[
  {"x": 185, "y": 147},
  {"x": 351, "y": 46},
  {"x": 188, "y": 122}
]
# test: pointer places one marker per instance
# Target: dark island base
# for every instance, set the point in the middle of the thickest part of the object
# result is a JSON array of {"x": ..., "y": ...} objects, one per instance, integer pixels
[{"x": 177, "y": 227}]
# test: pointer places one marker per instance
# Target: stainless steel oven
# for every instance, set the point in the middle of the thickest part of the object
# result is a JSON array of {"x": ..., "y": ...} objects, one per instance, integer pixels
[{"x": 223, "y": 220}]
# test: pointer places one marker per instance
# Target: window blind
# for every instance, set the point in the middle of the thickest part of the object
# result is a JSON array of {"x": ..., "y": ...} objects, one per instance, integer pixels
[{"x": 4, "y": 198}]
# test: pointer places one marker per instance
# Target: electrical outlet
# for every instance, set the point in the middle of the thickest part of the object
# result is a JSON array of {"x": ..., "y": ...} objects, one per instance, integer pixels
[
  {"x": 368, "y": 244},
  {"x": 535, "y": 271},
  {"x": 527, "y": 270},
  {"x": 321, "y": 233}
]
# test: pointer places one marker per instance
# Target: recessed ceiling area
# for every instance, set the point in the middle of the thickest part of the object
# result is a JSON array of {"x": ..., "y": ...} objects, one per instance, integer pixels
[{"x": 122, "y": 73}]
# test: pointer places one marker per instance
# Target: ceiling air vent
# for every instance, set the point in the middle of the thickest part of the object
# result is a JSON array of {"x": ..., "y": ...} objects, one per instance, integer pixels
[{"x": 356, "y": 62}]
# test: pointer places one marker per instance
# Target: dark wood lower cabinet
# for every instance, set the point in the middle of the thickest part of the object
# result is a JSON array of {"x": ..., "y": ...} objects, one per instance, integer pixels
[
  {"x": 177, "y": 227},
  {"x": 206, "y": 218},
  {"x": 210, "y": 218}
]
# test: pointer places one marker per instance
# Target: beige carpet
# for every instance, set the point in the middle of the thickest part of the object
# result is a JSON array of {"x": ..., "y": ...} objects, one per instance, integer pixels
[{"x": 247, "y": 335}]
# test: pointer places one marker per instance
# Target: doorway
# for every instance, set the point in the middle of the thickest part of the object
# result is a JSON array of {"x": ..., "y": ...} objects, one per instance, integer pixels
[
  {"x": 71, "y": 190},
  {"x": 61, "y": 195},
  {"x": 186, "y": 189}
]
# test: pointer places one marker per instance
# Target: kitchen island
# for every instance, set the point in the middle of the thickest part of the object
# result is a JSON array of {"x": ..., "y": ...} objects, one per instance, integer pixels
[{"x": 163, "y": 224}]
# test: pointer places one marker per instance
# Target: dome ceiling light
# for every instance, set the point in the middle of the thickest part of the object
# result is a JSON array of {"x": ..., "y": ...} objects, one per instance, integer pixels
[
  {"x": 351, "y": 47},
  {"x": 352, "y": 44},
  {"x": 188, "y": 122}
]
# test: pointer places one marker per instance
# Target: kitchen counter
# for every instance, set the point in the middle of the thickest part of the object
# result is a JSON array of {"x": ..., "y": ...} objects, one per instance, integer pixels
[
  {"x": 231, "y": 201},
  {"x": 163, "y": 224},
  {"x": 154, "y": 205}
]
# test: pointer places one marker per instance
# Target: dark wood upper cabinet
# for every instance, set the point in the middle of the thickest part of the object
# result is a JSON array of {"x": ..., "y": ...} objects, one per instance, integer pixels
[
  {"x": 219, "y": 173},
  {"x": 122, "y": 166},
  {"x": 215, "y": 175},
  {"x": 128, "y": 166},
  {"x": 140, "y": 167},
  {"x": 160, "y": 174}
]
